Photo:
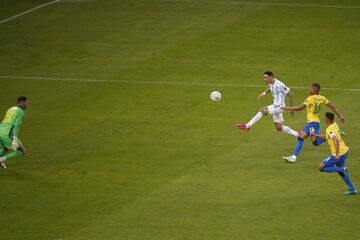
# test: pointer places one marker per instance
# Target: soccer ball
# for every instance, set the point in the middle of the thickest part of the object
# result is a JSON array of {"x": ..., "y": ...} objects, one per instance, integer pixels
[{"x": 215, "y": 96}]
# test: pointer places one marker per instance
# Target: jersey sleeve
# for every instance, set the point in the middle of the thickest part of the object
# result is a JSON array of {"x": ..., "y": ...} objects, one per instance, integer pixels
[
  {"x": 331, "y": 132},
  {"x": 325, "y": 101},
  {"x": 332, "y": 135},
  {"x": 307, "y": 101},
  {"x": 18, "y": 120},
  {"x": 284, "y": 88}
]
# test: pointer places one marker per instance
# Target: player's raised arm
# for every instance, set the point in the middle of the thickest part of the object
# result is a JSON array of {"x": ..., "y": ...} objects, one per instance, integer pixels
[
  {"x": 263, "y": 94},
  {"x": 336, "y": 111}
]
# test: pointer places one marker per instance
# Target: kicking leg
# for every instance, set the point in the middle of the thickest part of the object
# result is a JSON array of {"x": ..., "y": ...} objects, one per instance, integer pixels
[{"x": 255, "y": 119}]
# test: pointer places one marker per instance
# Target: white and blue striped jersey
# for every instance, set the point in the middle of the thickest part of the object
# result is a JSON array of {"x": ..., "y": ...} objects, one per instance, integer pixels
[{"x": 279, "y": 91}]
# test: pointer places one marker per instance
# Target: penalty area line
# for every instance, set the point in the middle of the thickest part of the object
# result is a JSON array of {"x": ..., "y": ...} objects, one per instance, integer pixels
[
  {"x": 73, "y": 1},
  {"x": 38, "y": 7},
  {"x": 28, "y": 11},
  {"x": 163, "y": 83}
]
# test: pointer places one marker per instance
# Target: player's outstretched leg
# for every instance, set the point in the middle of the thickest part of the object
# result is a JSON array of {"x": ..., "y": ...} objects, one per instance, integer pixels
[{"x": 255, "y": 119}]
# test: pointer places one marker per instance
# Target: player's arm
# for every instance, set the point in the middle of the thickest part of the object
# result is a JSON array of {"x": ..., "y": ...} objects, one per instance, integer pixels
[
  {"x": 295, "y": 108},
  {"x": 336, "y": 111},
  {"x": 291, "y": 98},
  {"x": 336, "y": 144},
  {"x": 263, "y": 94},
  {"x": 16, "y": 130},
  {"x": 322, "y": 137}
]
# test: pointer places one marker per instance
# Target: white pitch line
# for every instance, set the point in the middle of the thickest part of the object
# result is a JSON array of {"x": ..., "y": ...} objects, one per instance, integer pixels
[
  {"x": 165, "y": 83},
  {"x": 28, "y": 11},
  {"x": 267, "y": 4},
  {"x": 73, "y": 1}
]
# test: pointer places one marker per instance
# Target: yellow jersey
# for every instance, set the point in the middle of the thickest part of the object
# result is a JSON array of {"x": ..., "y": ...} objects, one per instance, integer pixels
[
  {"x": 334, "y": 131},
  {"x": 313, "y": 106}
]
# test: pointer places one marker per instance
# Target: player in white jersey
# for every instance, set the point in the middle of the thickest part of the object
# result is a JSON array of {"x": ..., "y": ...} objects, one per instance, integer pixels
[{"x": 279, "y": 92}]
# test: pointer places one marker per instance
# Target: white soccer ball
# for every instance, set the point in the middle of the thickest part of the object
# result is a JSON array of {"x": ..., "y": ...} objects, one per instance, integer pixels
[{"x": 215, "y": 96}]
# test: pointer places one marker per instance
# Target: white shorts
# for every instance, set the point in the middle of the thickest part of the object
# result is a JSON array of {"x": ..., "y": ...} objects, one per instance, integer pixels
[{"x": 277, "y": 112}]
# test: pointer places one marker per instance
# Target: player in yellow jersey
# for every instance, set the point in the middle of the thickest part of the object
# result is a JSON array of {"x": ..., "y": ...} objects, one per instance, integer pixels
[
  {"x": 313, "y": 106},
  {"x": 339, "y": 152}
]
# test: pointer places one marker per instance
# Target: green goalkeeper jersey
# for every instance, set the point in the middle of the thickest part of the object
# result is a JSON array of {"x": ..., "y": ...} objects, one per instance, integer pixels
[{"x": 10, "y": 126}]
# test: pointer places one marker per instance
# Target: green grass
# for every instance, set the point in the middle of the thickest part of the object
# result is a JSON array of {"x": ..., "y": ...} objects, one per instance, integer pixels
[{"x": 113, "y": 160}]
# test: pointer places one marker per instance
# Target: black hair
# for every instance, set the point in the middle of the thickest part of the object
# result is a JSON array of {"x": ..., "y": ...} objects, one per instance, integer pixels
[
  {"x": 317, "y": 86},
  {"x": 269, "y": 73},
  {"x": 21, "y": 99},
  {"x": 330, "y": 116}
]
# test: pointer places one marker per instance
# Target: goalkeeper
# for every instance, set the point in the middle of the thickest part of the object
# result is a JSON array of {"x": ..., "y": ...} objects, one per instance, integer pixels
[{"x": 9, "y": 130}]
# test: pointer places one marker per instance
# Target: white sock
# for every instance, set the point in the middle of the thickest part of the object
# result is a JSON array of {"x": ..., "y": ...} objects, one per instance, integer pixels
[
  {"x": 255, "y": 119},
  {"x": 288, "y": 130},
  {"x": 2, "y": 159}
]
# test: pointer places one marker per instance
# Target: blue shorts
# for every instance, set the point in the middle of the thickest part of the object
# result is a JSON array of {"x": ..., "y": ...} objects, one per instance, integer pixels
[
  {"x": 331, "y": 161},
  {"x": 312, "y": 127}
]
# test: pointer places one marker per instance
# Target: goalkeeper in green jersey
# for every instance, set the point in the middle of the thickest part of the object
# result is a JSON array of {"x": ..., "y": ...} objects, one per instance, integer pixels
[{"x": 9, "y": 130}]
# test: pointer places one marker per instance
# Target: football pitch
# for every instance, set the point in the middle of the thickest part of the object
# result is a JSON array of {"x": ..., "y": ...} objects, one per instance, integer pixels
[{"x": 124, "y": 143}]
